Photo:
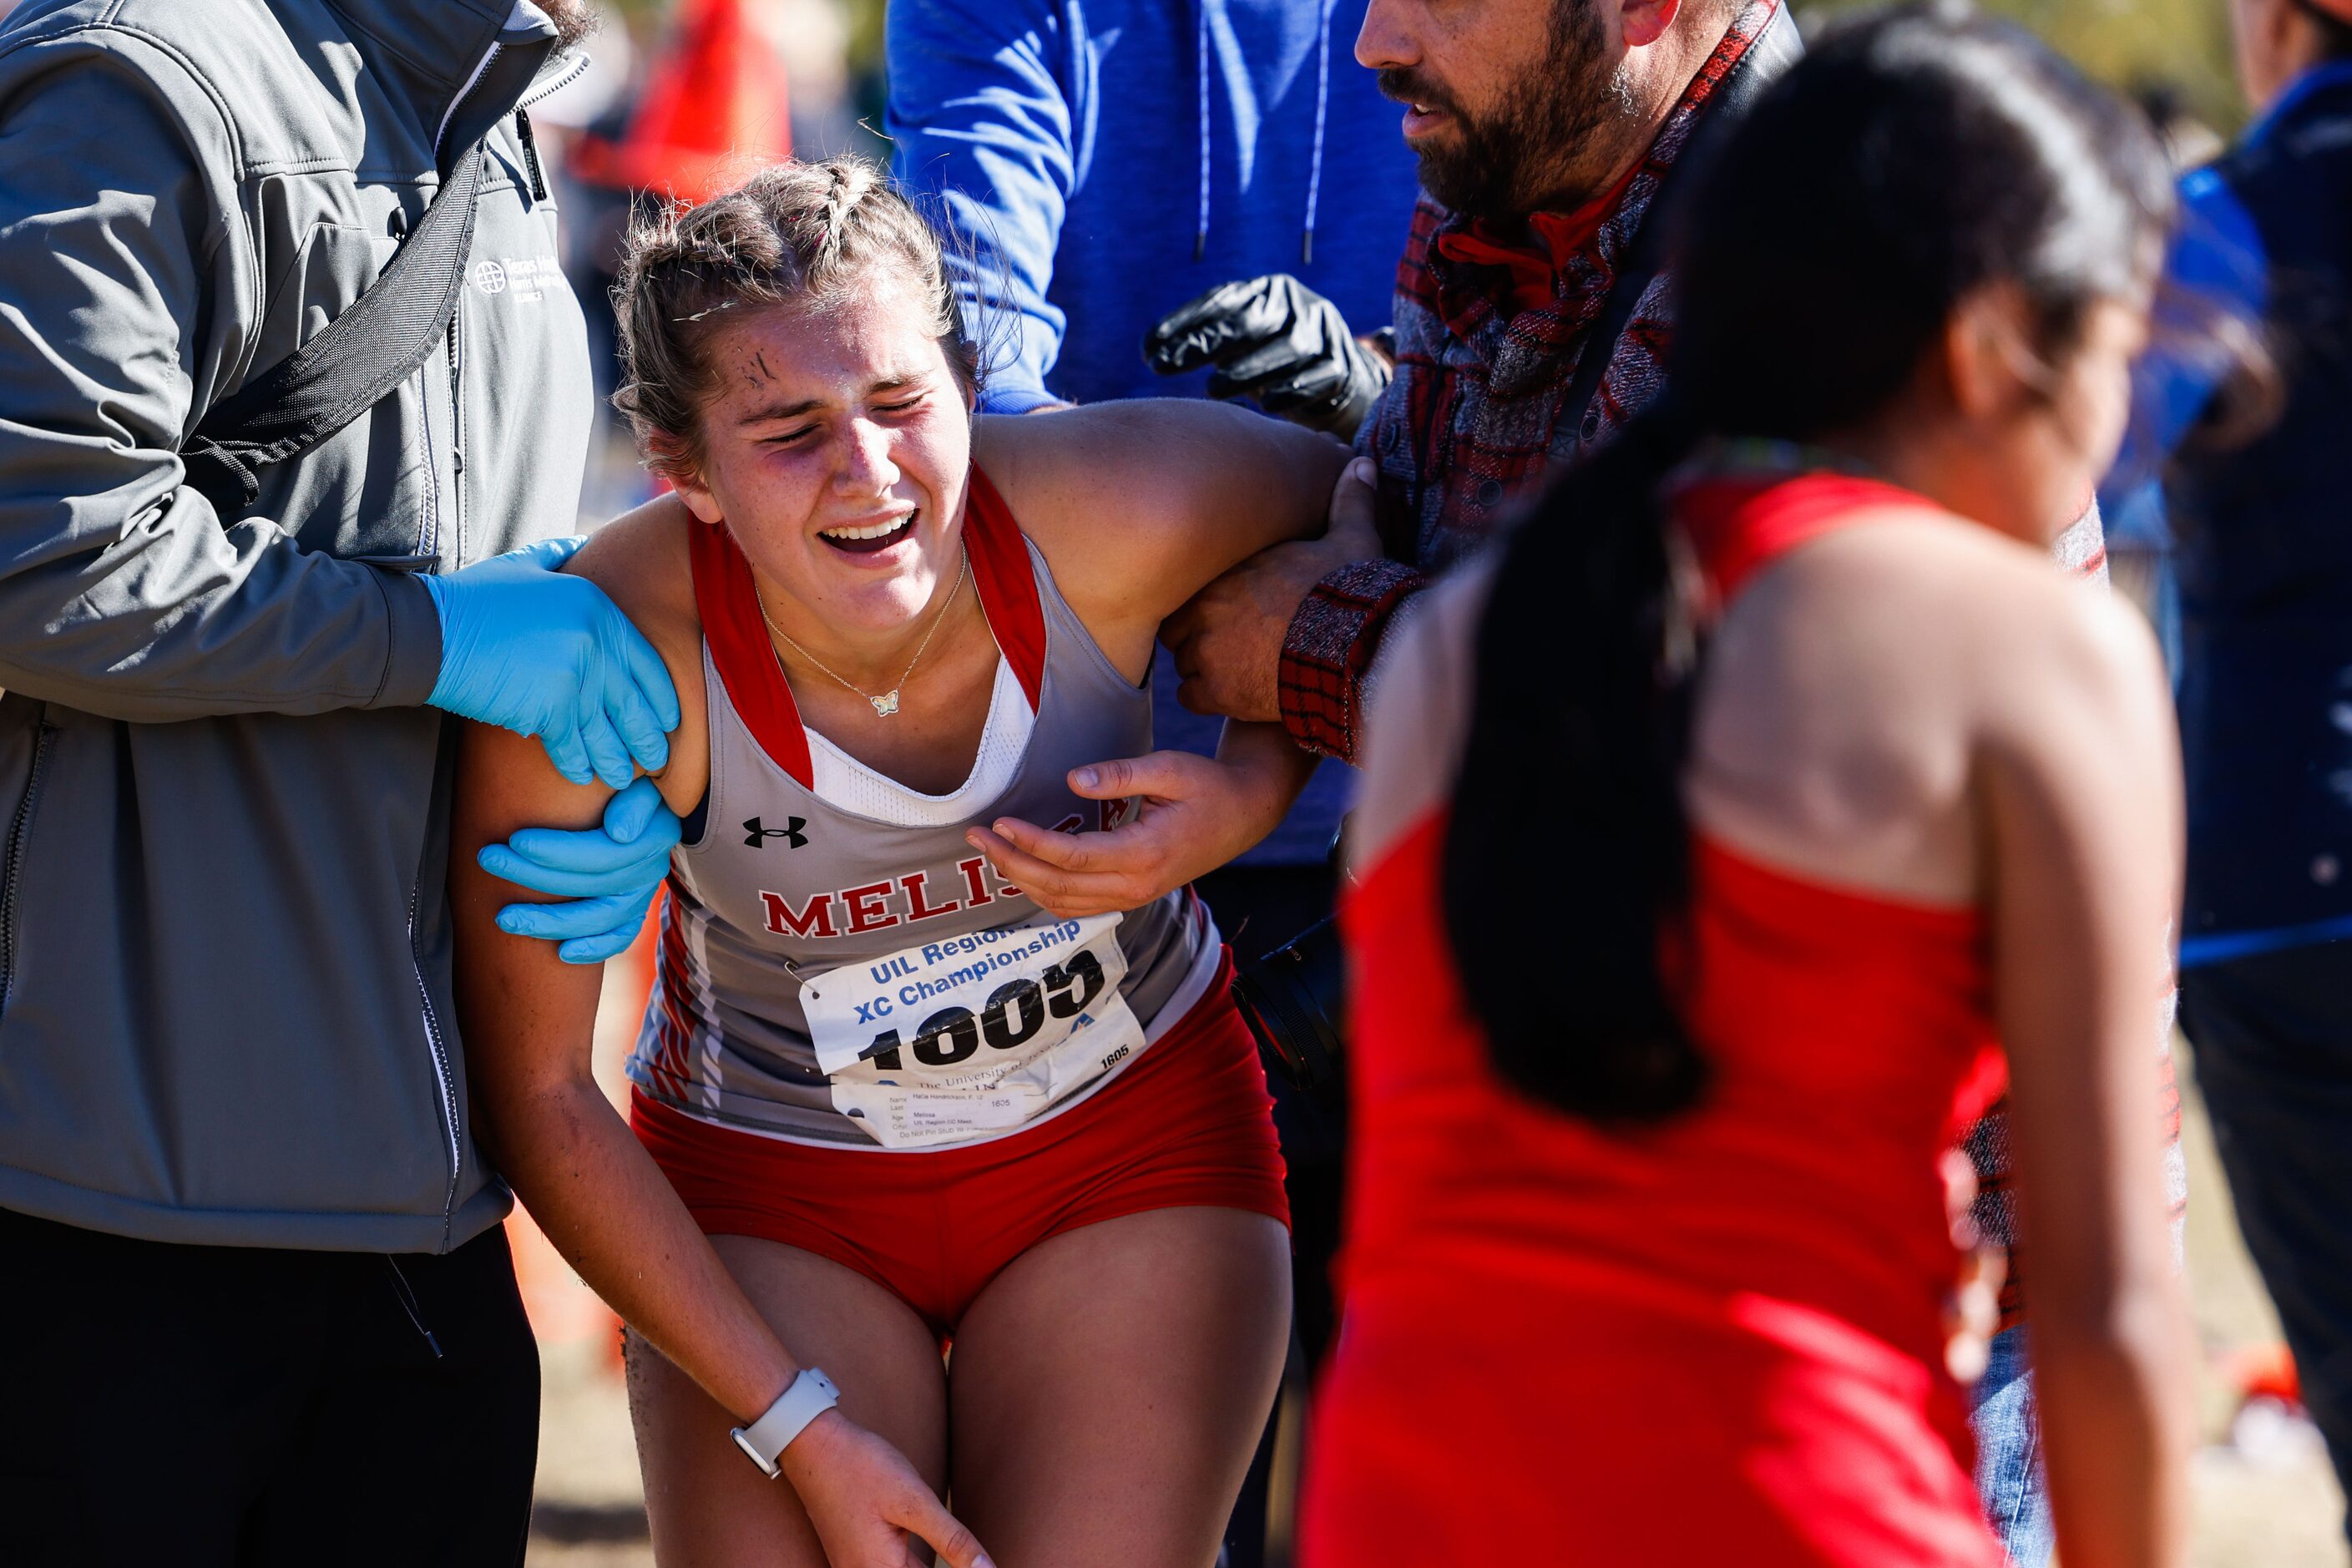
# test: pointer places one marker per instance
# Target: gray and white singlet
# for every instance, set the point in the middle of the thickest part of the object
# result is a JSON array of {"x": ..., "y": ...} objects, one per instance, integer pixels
[{"x": 837, "y": 965}]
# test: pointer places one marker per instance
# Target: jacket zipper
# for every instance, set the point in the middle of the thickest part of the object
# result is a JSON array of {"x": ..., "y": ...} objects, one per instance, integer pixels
[
  {"x": 14, "y": 868},
  {"x": 443, "y": 1079},
  {"x": 539, "y": 90},
  {"x": 429, "y": 547},
  {"x": 457, "y": 336},
  {"x": 457, "y": 431}
]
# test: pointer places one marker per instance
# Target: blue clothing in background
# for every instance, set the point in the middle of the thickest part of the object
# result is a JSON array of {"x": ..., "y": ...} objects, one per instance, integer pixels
[
  {"x": 1104, "y": 161},
  {"x": 1084, "y": 154},
  {"x": 2261, "y": 532},
  {"x": 2006, "y": 1420},
  {"x": 2263, "y": 536}
]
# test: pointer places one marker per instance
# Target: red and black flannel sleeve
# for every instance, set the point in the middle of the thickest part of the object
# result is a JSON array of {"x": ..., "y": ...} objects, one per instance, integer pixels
[{"x": 1330, "y": 649}]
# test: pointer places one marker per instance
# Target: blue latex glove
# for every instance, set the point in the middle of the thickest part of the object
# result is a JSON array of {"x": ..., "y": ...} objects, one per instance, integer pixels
[
  {"x": 530, "y": 650},
  {"x": 612, "y": 873}
]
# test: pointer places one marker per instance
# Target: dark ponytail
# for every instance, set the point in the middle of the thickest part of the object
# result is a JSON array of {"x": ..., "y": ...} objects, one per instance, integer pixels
[{"x": 1913, "y": 157}]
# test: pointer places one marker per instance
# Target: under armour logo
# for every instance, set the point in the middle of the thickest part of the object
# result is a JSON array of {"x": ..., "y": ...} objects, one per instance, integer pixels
[{"x": 791, "y": 834}]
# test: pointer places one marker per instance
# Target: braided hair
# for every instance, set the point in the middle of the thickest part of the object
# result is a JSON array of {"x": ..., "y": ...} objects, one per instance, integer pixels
[{"x": 795, "y": 234}]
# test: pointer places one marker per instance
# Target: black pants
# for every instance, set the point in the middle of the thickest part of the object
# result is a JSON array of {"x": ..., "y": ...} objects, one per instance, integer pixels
[
  {"x": 1258, "y": 908},
  {"x": 205, "y": 1406},
  {"x": 2273, "y": 1040}
]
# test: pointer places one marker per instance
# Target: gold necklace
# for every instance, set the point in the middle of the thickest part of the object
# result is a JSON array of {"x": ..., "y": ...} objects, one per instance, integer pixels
[{"x": 887, "y": 705}]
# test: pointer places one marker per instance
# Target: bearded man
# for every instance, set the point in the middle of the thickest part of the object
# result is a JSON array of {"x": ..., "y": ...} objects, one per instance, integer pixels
[
  {"x": 261, "y": 1308},
  {"x": 1531, "y": 317}
]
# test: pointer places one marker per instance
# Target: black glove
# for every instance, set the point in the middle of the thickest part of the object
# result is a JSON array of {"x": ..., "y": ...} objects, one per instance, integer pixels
[{"x": 1276, "y": 339}]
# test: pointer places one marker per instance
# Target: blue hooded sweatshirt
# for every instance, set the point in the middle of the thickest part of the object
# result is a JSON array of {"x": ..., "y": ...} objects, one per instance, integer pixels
[
  {"x": 1109, "y": 160},
  {"x": 2263, "y": 555},
  {"x": 1102, "y": 162}
]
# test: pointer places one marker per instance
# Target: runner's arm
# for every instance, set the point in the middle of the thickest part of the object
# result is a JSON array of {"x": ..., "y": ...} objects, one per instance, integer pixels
[
  {"x": 527, "y": 1019},
  {"x": 2080, "y": 785},
  {"x": 1139, "y": 504},
  {"x": 1209, "y": 484},
  {"x": 608, "y": 878}
]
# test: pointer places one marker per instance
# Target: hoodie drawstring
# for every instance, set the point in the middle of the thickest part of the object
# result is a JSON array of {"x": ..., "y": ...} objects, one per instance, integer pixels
[
  {"x": 408, "y": 1304},
  {"x": 1322, "y": 109},
  {"x": 1201, "y": 49},
  {"x": 1322, "y": 102}
]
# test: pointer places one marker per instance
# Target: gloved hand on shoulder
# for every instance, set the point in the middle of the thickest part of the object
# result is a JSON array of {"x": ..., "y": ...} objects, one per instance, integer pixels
[
  {"x": 1276, "y": 341},
  {"x": 610, "y": 874},
  {"x": 531, "y": 650}
]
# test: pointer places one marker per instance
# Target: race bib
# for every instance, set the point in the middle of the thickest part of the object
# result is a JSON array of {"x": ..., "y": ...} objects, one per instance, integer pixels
[{"x": 974, "y": 1034}]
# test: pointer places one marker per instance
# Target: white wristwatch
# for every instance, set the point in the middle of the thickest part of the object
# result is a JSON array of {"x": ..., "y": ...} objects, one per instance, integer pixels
[{"x": 810, "y": 1397}]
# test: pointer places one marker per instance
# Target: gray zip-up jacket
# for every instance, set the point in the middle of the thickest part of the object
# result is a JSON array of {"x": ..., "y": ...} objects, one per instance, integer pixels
[{"x": 225, "y": 947}]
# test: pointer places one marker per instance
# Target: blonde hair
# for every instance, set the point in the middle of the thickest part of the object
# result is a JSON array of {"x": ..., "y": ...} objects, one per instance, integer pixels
[{"x": 792, "y": 234}]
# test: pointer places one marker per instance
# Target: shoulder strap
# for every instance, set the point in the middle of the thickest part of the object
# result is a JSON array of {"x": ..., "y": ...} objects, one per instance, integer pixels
[
  {"x": 1742, "y": 523},
  {"x": 1768, "y": 55},
  {"x": 734, "y": 629},
  {"x": 386, "y": 335},
  {"x": 1007, "y": 584},
  {"x": 378, "y": 342}
]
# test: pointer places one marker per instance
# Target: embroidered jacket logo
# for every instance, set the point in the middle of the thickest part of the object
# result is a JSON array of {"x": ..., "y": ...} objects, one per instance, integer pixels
[{"x": 754, "y": 835}]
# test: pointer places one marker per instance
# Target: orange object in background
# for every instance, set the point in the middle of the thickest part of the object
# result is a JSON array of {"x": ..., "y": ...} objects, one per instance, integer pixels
[
  {"x": 2263, "y": 1372},
  {"x": 562, "y": 1309},
  {"x": 716, "y": 106}
]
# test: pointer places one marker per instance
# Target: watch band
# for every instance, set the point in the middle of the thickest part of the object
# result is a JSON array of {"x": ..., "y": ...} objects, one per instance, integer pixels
[{"x": 810, "y": 1397}]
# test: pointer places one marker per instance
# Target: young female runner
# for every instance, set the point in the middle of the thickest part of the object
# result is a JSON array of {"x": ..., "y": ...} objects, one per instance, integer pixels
[
  {"x": 1724, "y": 843},
  {"x": 901, "y": 1102}
]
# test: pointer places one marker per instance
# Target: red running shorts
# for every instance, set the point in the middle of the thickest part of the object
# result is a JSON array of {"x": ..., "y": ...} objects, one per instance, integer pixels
[{"x": 1189, "y": 1125}]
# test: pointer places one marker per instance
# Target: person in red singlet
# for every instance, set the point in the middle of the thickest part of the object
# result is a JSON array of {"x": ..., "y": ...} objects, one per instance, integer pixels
[
  {"x": 882, "y": 1098},
  {"x": 1729, "y": 840}
]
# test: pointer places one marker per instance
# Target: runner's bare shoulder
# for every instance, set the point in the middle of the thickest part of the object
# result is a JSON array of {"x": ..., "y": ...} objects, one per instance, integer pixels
[
  {"x": 640, "y": 559},
  {"x": 1139, "y": 502}
]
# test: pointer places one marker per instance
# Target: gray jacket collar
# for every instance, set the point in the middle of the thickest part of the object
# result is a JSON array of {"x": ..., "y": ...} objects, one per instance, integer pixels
[{"x": 434, "y": 50}]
